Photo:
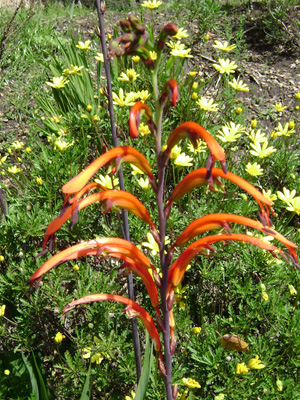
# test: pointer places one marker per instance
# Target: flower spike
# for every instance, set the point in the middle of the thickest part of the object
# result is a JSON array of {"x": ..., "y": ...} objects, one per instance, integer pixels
[
  {"x": 109, "y": 246},
  {"x": 112, "y": 198},
  {"x": 122, "y": 153},
  {"x": 194, "y": 132},
  {"x": 198, "y": 178},
  {"x": 218, "y": 221},
  {"x": 178, "y": 268},
  {"x": 134, "y": 117},
  {"x": 133, "y": 310},
  {"x": 170, "y": 89}
]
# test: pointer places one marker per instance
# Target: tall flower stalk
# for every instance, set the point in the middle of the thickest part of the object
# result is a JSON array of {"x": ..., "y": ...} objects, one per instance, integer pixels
[{"x": 161, "y": 324}]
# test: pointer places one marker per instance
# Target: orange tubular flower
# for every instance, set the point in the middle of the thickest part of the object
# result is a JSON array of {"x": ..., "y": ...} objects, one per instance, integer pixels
[
  {"x": 218, "y": 221},
  {"x": 121, "y": 154},
  {"x": 134, "y": 117},
  {"x": 177, "y": 269},
  {"x": 198, "y": 178},
  {"x": 112, "y": 198},
  {"x": 170, "y": 89},
  {"x": 148, "y": 282},
  {"x": 109, "y": 246},
  {"x": 194, "y": 132},
  {"x": 133, "y": 310}
]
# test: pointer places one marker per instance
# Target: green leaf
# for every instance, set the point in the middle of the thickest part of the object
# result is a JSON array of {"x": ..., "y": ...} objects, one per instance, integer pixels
[
  {"x": 147, "y": 366},
  {"x": 86, "y": 391},
  {"x": 33, "y": 380},
  {"x": 44, "y": 392}
]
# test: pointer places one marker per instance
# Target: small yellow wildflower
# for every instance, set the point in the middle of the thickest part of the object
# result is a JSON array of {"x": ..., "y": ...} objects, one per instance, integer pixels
[
  {"x": 97, "y": 358},
  {"x": 144, "y": 129},
  {"x": 153, "y": 55},
  {"x": 194, "y": 96},
  {"x": 254, "y": 169},
  {"x": 269, "y": 195},
  {"x": 265, "y": 296},
  {"x": 181, "y": 51},
  {"x": 124, "y": 100},
  {"x": 192, "y": 73},
  {"x": 239, "y": 85},
  {"x": 207, "y": 104},
  {"x": 283, "y": 130},
  {"x": 39, "y": 180},
  {"x": 201, "y": 147},
  {"x": 99, "y": 57},
  {"x": 62, "y": 145},
  {"x": 27, "y": 150},
  {"x": 279, "y": 107},
  {"x": 191, "y": 383},
  {"x": 261, "y": 151},
  {"x": 76, "y": 268},
  {"x": 131, "y": 397},
  {"x": 294, "y": 206},
  {"x": 195, "y": 85},
  {"x": 225, "y": 66},
  {"x": 59, "y": 337},
  {"x": 144, "y": 183},
  {"x": 143, "y": 95},
  {"x": 129, "y": 76},
  {"x": 183, "y": 160},
  {"x": 253, "y": 123},
  {"x": 207, "y": 36},
  {"x": 279, "y": 385},
  {"x": 197, "y": 329},
  {"x": 89, "y": 108},
  {"x": 136, "y": 170},
  {"x": 291, "y": 125},
  {"x": 223, "y": 46},
  {"x": 241, "y": 368},
  {"x": 286, "y": 196},
  {"x": 1, "y": 258},
  {"x": 14, "y": 170},
  {"x": 84, "y": 45},
  {"x": 58, "y": 82},
  {"x": 3, "y": 159},
  {"x": 292, "y": 290},
  {"x": 2, "y": 310},
  {"x": 109, "y": 36},
  {"x": 220, "y": 396},
  {"x": 255, "y": 363},
  {"x": 297, "y": 108},
  {"x": 73, "y": 71},
  {"x": 106, "y": 182},
  {"x": 17, "y": 145},
  {"x": 238, "y": 110},
  {"x": 151, "y": 4},
  {"x": 152, "y": 244},
  {"x": 135, "y": 59},
  {"x": 6, "y": 372},
  {"x": 230, "y": 132},
  {"x": 182, "y": 33},
  {"x": 176, "y": 150},
  {"x": 297, "y": 96},
  {"x": 257, "y": 136},
  {"x": 179, "y": 296}
]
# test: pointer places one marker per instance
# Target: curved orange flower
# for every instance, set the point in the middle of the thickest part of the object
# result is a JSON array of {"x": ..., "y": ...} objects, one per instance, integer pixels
[
  {"x": 218, "y": 221},
  {"x": 135, "y": 116},
  {"x": 109, "y": 246},
  {"x": 112, "y": 198},
  {"x": 170, "y": 89},
  {"x": 178, "y": 268},
  {"x": 198, "y": 177},
  {"x": 194, "y": 132},
  {"x": 120, "y": 154},
  {"x": 148, "y": 282},
  {"x": 134, "y": 310}
]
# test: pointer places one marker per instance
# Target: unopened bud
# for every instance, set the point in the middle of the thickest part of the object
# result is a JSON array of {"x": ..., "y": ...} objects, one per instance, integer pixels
[
  {"x": 162, "y": 368},
  {"x": 174, "y": 391}
]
